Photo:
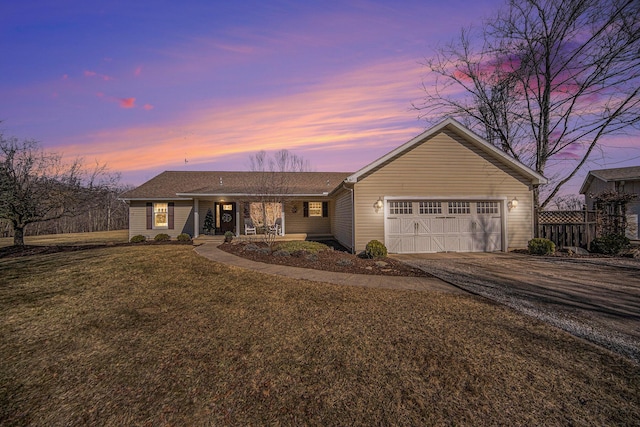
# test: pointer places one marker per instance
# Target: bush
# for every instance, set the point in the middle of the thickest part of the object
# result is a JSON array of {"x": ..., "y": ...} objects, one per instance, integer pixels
[
  {"x": 609, "y": 244},
  {"x": 375, "y": 249},
  {"x": 162, "y": 237},
  {"x": 539, "y": 246},
  {"x": 138, "y": 238},
  {"x": 228, "y": 236},
  {"x": 184, "y": 237}
]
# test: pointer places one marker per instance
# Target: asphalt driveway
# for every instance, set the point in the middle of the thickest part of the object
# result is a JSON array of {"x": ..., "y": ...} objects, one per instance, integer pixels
[{"x": 593, "y": 298}]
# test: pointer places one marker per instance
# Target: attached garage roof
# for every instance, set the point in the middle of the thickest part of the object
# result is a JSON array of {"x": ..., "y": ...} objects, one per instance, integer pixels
[
  {"x": 456, "y": 127},
  {"x": 172, "y": 184}
]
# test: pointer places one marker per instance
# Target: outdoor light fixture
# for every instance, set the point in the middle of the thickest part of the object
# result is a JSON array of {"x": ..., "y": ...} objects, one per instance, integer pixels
[
  {"x": 513, "y": 203},
  {"x": 294, "y": 208},
  {"x": 379, "y": 204}
]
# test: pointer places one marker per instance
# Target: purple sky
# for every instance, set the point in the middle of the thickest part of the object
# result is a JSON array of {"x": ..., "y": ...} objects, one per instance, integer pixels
[{"x": 144, "y": 85}]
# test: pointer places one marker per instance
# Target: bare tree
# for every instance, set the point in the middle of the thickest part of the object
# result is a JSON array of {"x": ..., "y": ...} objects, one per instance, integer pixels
[
  {"x": 273, "y": 180},
  {"x": 544, "y": 81},
  {"x": 37, "y": 186}
]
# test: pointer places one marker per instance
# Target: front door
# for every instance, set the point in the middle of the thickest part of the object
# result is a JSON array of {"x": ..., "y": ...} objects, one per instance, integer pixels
[{"x": 226, "y": 217}]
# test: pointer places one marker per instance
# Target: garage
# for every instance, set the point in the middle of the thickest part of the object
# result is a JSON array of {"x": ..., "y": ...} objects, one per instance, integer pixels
[{"x": 423, "y": 226}]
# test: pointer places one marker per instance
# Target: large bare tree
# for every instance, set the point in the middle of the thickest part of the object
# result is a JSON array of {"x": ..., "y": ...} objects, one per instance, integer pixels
[
  {"x": 38, "y": 186},
  {"x": 544, "y": 80}
]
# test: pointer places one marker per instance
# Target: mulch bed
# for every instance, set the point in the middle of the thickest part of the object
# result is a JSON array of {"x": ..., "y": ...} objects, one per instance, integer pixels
[{"x": 329, "y": 260}]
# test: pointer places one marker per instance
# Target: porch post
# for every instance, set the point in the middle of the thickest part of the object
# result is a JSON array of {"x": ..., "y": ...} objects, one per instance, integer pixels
[
  {"x": 196, "y": 218},
  {"x": 282, "y": 209}
]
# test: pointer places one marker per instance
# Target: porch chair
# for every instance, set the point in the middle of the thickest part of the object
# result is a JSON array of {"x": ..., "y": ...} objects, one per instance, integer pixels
[
  {"x": 249, "y": 227},
  {"x": 275, "y": 228}
]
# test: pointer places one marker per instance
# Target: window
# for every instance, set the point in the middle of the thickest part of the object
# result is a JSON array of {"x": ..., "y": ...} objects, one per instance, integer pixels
[
  {"x": 487, "y": 208},
  {"x": 459, "y": 208},
  {"x": 427, "y": 208},
  {"x": 400, "y": 208},
  {"x": 160, "y": 215},
  {"x": 315, "y": 208}
]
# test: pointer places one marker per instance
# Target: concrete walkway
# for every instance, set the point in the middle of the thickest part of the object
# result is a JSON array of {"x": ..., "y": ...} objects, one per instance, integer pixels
[{"x": 209, "y": 249}]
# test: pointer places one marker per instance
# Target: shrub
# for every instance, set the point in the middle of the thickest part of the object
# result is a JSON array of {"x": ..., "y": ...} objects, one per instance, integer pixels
[
  {"x": 184, "y": 237},
  {"x": 138, "y": 238},
  {"x": 375, "y": 249},
  {"x": 609, "y": 244},
  {"x": 162, "y": 237},
  {"x": 539, "y": 246},
  {"x": 228, "y": 236}
]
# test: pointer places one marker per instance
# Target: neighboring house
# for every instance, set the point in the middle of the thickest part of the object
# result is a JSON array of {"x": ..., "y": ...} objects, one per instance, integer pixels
[
  {"x": 445, "y": 190},
  {"x": 621, "y": 180}
]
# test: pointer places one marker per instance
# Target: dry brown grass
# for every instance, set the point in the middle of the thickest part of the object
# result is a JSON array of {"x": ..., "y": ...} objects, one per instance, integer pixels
[
  {"x": 155, "y": 335},
  {"x": 98, "y": 237}
]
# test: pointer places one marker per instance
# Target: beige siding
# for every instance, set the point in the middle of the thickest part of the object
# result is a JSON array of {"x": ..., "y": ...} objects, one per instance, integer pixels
[
  {"x": 444, "y": 166},
  {"x": 298, "y": 223},
  {"x": 342, "y": 219},
  {"x": 183, "y": 219},
  {"x": 597, "y": 186}
]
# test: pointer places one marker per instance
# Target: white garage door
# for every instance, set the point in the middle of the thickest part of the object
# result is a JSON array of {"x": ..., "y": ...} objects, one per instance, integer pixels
[{"x": 443, "y": 226}]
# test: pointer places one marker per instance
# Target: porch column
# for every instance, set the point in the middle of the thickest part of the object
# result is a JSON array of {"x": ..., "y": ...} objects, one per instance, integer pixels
[
  {"x": 282, "y": 209},
  {"x": 196, "y": 218}
]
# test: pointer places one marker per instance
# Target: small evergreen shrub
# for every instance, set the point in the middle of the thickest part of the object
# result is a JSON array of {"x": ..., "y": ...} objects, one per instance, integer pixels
[
  {"x": 138, "y": 238},
  {"x": 228, "y": 236},
  {"x": 609, "y": 244},
  {"x": 162, "y": 237},
  {"x": 184, "y": 237},
  {"x": 375, "y": 249},
  {"x": 540, "y": 246}
]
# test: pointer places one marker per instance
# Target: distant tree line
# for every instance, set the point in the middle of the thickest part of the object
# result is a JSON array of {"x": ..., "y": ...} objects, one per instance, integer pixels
[{"x": 40, "y": 193}]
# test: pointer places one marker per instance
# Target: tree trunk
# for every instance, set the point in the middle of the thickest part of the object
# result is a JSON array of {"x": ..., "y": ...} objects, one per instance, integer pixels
[{"x": 18, "y": 235}]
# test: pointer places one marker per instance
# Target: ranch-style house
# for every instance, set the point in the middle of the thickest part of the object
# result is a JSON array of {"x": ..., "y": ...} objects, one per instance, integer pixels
[{"x": 447, "y": 189}]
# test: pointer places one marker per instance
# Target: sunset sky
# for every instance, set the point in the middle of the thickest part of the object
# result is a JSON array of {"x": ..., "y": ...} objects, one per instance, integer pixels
[{"x": 145, "y": 85}]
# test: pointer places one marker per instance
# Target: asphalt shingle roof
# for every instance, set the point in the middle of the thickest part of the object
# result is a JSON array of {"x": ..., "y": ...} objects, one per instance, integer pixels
[
  {"x": 170, "y": 183},
  {"x": 617, "y": 174}
]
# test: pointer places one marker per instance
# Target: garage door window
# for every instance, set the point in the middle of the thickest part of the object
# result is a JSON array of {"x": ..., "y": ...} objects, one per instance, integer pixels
[
  {"x": 487, "y": 208},
  {"x": 400, "y": 208},
  {"x": 459, "y": 208},
  {"x": 430, "y": 208}
]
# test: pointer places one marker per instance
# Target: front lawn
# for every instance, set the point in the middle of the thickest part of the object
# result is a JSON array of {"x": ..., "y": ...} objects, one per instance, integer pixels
[{"x": 156, "y": 335}]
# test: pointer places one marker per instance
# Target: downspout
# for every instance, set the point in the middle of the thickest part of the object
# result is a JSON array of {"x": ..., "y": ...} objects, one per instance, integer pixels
[{"x": 353, "y": 219}]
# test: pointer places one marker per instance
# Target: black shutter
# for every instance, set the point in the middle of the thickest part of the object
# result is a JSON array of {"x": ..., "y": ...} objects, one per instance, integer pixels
[
  {"x": 305, "y": 208},
  {"x": 325, "y": 209},
  {"x": 171, "y": 205},
  {"x": 149, "y": 215}
]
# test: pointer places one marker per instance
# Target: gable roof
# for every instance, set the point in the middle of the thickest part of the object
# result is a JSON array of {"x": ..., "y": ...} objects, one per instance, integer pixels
[
  {"x": 631, "y": 173},
  {"x": 187, "y": 184},
  {"x": 456, "y": 127}
]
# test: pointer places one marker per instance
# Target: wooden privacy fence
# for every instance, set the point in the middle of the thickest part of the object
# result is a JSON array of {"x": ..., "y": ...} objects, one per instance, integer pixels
[{"x": 568, "y": 228}]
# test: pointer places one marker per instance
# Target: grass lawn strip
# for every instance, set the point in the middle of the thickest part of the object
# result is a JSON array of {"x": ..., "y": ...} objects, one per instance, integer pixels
[{"x": 156, "y": 335}]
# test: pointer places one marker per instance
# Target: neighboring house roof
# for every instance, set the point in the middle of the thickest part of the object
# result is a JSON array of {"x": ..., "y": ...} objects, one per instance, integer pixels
[
  {"x": 187, "y": 184},
  {"x": 631, "y": 173},
  {"x": 456, "y": 127}
]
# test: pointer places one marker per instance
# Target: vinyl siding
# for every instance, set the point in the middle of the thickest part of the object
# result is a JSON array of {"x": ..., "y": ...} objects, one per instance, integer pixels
[
  {"x": 183, "y": 219},
  {"x": 298, "y": 223},
  {"x": 342, "y": 219},
  {"x": 444, "y": 166}
]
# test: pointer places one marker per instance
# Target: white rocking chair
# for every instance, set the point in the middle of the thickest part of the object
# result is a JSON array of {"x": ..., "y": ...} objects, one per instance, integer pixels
[{"x": 249, "y": 227}]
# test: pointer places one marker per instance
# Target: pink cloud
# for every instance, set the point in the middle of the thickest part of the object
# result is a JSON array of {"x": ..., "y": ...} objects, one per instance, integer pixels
[
  {"x": 127, "y": 102},
  {"x": 65, "y": 76},
  {"x": 148, "y": 107},
  {"x": 137, "y": 71}
]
